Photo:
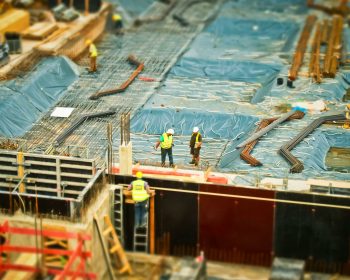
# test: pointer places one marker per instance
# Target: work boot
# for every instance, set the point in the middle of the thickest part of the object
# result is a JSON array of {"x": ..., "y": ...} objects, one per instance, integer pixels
[
  {"x": 172, "y": 165},
  {"x": 192, "y": 162}
]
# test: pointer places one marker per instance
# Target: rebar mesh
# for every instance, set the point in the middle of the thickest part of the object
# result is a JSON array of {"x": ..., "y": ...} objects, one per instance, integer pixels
[{"x": 157, "y": 45}]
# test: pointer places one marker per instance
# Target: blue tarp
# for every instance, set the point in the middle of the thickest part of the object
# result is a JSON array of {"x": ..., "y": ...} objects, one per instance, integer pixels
[
  {"x": 22, "y": 104},
  {"x": 134, "y": 7},
  {"x": 213, "y": 125},
  {"x": 265, "y": 6},
  {"x": 232, "y": 70},
  {"x": 250, "y": 34}
]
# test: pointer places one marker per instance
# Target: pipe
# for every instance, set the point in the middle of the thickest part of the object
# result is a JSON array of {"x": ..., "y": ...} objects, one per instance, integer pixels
[
  {"x": 298, "y": 166},
  {"x": 268, "y": 128},
  {"x": 132, "y": 60},
  {"x": 60, "y": 139}
]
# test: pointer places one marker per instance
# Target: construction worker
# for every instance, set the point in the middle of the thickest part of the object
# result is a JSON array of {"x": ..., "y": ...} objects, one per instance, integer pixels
[
  {"x": 166, "y": 145},
  {"x": 195, "y": 145},
  {"x": 92, "y": 55},
  {"x": 140, "y": 194},
  {"x": 118, "y": 23}
]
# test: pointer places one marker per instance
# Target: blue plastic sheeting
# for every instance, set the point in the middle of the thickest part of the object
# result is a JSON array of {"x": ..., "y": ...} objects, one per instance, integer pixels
[
  {"x": 134, "y": 7},
  {"x": 253, "y": 34},
  {"x": 22, "y": 104},
  {"x": 311, "y": 152},
  {"x": 346, "y": 38},
  {"x": 279, "y": 6},
  {"x": 315, "y": 147},
  {"x": 212, "y": 125},
  {"x": 329, "y": 90},
  {"x": 244, "y": 71},
  {"x": 210, "y": 95}
]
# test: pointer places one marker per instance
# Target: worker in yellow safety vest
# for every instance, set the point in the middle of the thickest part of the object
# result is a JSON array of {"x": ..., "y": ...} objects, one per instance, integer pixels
[
  {"x": 140, "y": 194},
  {"x": 93, "y": 56},
  {"x": 118, "y": 23},
  {"x": 195, "y": 145},
  {"x": 166, "y": 145}
]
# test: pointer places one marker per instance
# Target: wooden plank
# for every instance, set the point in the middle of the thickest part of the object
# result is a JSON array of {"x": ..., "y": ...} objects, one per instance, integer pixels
[
  {"x": 23, "y": 259},
  {"x": 8, "y": 168},
  {"x": 14, "y": 20},
  {"x": 42, "y": 163},
  {"x": 40, "y": 30},
  {"x": 104, "y": 249},
  {"x": 39, "y": 171},
  {"x": 76, "y": 166},
  {"x": 76, "y": 175},
  {"x": 8, "y": 159}
]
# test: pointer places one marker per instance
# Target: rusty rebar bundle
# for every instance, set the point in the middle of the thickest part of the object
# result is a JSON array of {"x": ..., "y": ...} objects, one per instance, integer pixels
[
  {"x": 334, "y": 47},
  {"x": 314, "y": 65},
  {"x": 301, "y": 47},
  {"x": 342, "y": 9}
]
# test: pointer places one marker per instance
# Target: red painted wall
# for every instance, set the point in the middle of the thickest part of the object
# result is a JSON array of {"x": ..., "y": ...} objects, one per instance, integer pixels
[{"x": 249, "y": 222}]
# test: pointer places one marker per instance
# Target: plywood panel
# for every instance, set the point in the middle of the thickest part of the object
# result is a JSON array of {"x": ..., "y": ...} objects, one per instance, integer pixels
[{"x": 14, "y": 20}]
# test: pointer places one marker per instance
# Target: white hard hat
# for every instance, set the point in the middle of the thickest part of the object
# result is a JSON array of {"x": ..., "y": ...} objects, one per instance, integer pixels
[
  {"x": 170, "y": 131},
  {"x": 195, "y": 129}
]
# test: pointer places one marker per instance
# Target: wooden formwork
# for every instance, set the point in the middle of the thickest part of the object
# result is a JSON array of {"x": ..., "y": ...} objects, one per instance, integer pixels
[{"x": 63, "y": 185}]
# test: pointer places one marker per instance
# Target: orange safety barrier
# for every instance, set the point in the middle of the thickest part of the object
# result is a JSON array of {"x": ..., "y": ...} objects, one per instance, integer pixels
[
  {"x": 210, "y": 178},
  {"x": 74, "y": 255}
]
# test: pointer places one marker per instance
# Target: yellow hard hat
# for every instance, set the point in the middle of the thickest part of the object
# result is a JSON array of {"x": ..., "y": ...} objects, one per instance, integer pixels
[
  {"x": 139, "y": 174},
  {"x": 116, "y": 17},
  {"x": 88, "y": 42}
]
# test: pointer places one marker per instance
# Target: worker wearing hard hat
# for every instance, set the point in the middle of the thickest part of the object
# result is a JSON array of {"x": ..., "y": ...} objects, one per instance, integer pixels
[
  {"x": 140, "y": 194},
  {"x": 118, "y": 23},
  {"x": 93, "y": 55},
  {"x": 166, "y": 145},
  {"x": 195, "y": 145}
]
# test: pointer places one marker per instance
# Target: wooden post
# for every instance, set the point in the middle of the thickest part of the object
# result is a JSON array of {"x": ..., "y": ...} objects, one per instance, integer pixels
[
  {"x": 87, "y": 7},
  {"x": 20, "y": 170},
  {"x": 151, "y": 225}
]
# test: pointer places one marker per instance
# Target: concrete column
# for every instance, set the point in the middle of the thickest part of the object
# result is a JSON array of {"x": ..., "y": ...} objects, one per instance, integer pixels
[{"x": 125, "y": 159}]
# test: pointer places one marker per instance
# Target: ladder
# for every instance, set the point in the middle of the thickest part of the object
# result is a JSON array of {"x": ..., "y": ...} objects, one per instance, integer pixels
[
  {"x": 115, "y": 247},
  {"x": 141, "y": 236},
  {"x": 117, "y": 211}
]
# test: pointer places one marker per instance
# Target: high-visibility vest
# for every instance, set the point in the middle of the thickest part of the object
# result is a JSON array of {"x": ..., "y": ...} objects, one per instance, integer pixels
[
  {"x": 93, "y": 50},
  {"x": 117, "y": 17},
  {"x": 197, "y": 137},
  {"x": 138, "y": 191},
  {"x": 168, "y": 141}
]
